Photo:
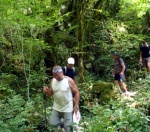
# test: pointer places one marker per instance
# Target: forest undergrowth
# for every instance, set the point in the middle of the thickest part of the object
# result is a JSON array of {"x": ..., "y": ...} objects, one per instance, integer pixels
[{"x": 122, "y": 114}]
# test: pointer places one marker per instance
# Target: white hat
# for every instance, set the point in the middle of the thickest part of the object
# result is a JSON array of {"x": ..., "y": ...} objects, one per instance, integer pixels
[{"x": 71, "y": 60}]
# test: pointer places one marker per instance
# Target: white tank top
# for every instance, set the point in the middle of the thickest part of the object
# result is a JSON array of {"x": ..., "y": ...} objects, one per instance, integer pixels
[{"x": 63, "y": 100}]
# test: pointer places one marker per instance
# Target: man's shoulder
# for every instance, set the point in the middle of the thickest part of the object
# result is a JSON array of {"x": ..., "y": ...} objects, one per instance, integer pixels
[
  {"x": 69, "y": 78},
  {"x": 66, "y": 77},
  {"x": 52, "y": 80},
  {"x": 73, "y": 69},
  {"x": 66, "y": 68},
  {"x": 120, "y": 59}
]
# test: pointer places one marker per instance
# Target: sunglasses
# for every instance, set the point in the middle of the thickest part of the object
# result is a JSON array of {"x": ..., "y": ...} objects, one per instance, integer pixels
[{"x": 57, "y": 71}]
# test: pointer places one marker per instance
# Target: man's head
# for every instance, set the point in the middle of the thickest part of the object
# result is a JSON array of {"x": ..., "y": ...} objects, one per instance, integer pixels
[
  {"x": 116, "y": 55},
  {"x": 70, "y": 62},
  {"x": 144, "y": 42},
  {"x": 57, "y": 72}
]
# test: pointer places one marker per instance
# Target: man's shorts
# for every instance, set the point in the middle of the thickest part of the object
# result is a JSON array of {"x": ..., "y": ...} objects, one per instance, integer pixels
[
  {"x": 56, "y": 116},
  {"x": 145, "y": 61},
  {"x": 118, "y": 77}
]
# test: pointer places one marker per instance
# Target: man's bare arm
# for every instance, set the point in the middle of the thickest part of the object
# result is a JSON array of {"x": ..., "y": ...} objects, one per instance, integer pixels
[
  {"x": 75, "y": 91},
  {"x": 140, "y": 56},
  {"x": 47, "y": 90},
  {"x": 123, "y": 68}
]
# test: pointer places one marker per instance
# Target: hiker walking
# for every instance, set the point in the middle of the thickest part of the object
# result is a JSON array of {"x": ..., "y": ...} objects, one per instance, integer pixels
[
  {"x": 62, "y": 87},
  {"x": 69, "y": 69},
  {"x": 145, "y": 55},
  {"x": 118, "y": 73}
]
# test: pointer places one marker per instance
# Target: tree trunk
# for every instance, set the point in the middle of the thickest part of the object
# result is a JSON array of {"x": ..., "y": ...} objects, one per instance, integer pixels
[{"x": 80, "y": 39}]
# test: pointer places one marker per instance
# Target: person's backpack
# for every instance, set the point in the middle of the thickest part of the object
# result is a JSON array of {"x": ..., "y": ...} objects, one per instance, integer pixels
[
  {"x": 126, "y": 66},
  {"x": 65, "y": 69}
]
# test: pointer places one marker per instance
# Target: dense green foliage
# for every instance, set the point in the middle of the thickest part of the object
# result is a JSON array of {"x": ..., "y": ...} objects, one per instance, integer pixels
[{"x": 35, "y": 35}]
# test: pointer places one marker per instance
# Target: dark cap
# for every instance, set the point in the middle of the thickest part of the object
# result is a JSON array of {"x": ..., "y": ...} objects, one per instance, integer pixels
[{"x": 116, "y": 53}]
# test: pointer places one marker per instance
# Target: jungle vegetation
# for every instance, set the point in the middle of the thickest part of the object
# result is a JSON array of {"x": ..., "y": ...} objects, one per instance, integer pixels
[{"x": 35, "y": 35}]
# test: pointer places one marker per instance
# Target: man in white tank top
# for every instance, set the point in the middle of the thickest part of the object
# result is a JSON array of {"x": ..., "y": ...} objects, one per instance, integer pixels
[{"x": 62, "y": 87}]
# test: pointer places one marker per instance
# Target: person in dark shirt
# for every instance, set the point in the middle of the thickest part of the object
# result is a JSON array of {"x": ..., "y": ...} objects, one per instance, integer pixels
[
  {"x": 69, "y": 70},
  {"x": 145, "y": 55},
  {"x": 118, "y": 73}
]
